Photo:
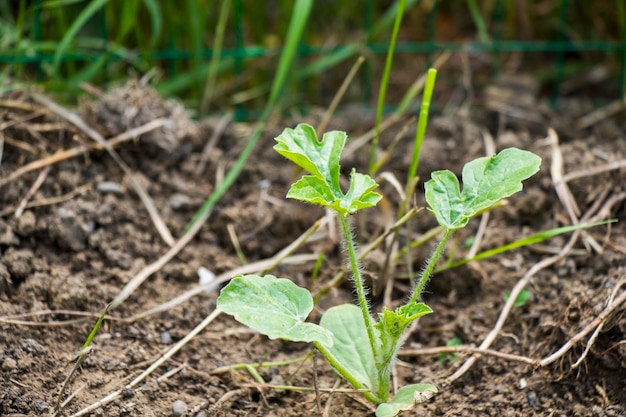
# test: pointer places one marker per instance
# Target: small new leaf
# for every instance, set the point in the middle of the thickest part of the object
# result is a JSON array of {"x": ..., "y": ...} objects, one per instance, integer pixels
[
  {"x": 274, "y": 306},
  {"x": 321, "y": 159},
  {"x": 406, "y": 398},
  {"x": 486, "y": 181}
]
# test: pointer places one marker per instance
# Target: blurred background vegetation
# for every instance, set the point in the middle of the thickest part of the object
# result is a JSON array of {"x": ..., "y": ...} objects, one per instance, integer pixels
[{"x": 222, "y": 55}]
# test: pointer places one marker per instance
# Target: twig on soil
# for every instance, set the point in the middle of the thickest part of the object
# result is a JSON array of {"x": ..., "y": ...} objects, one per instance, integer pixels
[
  {"x": 69, "y": 399},
  {"x": 521, "y": 284},
  {"x": 468, "y": 349},
  {"x": 218, "y": 131},
  {"x": 80, "y": 150},
  {"x": 597, "y": 323},
  {"x": 611, "y": 166},
  {"x": 31, "y": 191},
  {"x": 52, "y": 200},
  {"x": 556, "y": 171},
  {"x": 118, "y": 393},
  {"x": 601, "y": 114},
  {"x": 138, "y": 279},
  {"x": 145, "y": 198}
]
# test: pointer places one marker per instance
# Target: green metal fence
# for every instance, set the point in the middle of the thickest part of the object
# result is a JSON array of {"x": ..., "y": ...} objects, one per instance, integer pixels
[{"x": 61, "y": 43}]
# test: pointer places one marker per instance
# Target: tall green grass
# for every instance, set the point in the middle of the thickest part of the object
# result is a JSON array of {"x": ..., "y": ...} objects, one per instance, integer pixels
[{"x": 208, "y": 52}]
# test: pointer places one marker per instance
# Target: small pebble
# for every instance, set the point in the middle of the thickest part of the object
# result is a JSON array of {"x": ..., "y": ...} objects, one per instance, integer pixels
[
  {"x": 26, "y": 224},
  {"x": 532, "y": 398},
  {"x": 109, "y": 187},
  {"x": 9, "y": 364},
  {"x": 41, "y": 405},
  {"x": 200, "y": 414},
  {"x": 205, "y": 277},
  {"x": 179, "y": 201},
  {"x": 166, "y": 337},
  {"x": 179, "y": 408},
  {"x": 522, "y": 383}
]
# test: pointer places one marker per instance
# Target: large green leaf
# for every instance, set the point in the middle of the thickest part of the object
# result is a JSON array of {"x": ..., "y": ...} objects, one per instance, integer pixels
[
  {"x": 351, "y": 346},
  {"x": 274, "y": 306},
  {"x": 406, "y": 398},
  {"x": 321, "y": 159},
  {"x": 486, "y": 181},
  {"x": 300, "y": 146}
]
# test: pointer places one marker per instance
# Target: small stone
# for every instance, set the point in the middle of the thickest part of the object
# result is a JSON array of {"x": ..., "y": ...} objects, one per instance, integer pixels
[
  {"x": 166, "y": 337},
  {"x": 26, "y": 224},
  {"x": 522, "y": 383},
  {"x": 41, "y": 405},
  {"x": 179, "y": 201},
  {"x": 179, "y": 408},
  {"x": 200, "y": 414},
  {"x": 127, "y": 392},
  {"x": 109, "y": 187},
  {"x": 9, "y": 364},
  {"x": 69, "y": 231},
  {"x": 7, "y": 237},
  {"x": 19, "y": 263}
]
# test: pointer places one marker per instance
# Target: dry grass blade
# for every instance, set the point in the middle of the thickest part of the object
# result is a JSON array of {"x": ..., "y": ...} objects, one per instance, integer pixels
[
  {"x": 118, "y": 393},
  {"x": 80, "y": 150},
  {"x": 598, "y": 321},
  {"x": 33, "y": 189},
  {"x": 145, "y": 198},
  {"x": 596, "y": 332}
]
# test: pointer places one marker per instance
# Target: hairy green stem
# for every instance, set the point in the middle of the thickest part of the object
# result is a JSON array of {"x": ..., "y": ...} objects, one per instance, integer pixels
[
  {"x": 430, "y": 266},
  {"x": 358, "y": 284}
]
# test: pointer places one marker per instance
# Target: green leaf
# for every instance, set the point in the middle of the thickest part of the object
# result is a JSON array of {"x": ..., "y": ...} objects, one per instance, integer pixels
[
  {"x": 455, "y": 341},
  {"x": 300, "y": 146},
  {"x": 274, "y": 306},
  {"x": 393, "y": 323},
  {"x": 351, "y": 347},
  {"x": 521, "y": 299},
  {"x": 486, "y": 181},
  {"x": 406, "y": 398},
  {"x": 312, "y": 190},
  {"x": 321, "y": 159},
  {"x": 361, "y": 193}
]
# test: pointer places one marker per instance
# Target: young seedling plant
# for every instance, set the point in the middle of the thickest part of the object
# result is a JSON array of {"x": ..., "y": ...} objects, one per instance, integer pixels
[{"x": 360, "y": 347}]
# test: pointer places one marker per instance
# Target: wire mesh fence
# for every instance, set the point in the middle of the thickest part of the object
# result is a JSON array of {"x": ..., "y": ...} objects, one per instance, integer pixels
[{"x": 62, "y": 44}]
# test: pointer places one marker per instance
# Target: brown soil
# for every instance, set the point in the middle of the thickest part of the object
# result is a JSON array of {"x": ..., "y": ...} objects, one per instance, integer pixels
[{"x": 60, "y": 258}]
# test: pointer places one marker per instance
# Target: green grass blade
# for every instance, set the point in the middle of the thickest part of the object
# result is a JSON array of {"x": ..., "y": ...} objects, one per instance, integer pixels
[
  {"x": 93, "y": 7},
  {"x": 384, "y": 83},
  {"x": 215, "y": 58},
  {"x": 299, "y": 18},
  {"x": 127, "y": 19},
  {"x": 481, "y": 27},
  {"x": 536, "y": 238},
  {"x": 93, "y": 332},
  {"x": 422, "y": 122},
  {"x": 156, "y": 19}
]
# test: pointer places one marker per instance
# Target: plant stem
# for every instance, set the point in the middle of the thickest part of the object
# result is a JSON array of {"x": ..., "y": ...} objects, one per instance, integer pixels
[
  {"x": 358, "y": 283},
  {"x": 346, "y": 374},
  {"x": 430, "y": 266}
]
